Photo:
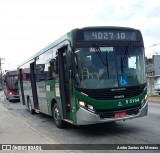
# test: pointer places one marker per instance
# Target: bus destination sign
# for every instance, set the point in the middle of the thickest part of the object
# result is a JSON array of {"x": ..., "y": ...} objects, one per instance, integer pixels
[{"x": 109, "y": 35}]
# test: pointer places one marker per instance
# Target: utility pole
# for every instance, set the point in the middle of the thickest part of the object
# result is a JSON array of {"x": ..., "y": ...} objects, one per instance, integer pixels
[{"x": 1, "y": 80}]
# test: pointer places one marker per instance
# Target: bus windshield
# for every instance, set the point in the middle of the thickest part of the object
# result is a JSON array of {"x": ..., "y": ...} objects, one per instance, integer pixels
[
  {"x": 12, "y": 82},
  {"x": 109, "y": 67}
]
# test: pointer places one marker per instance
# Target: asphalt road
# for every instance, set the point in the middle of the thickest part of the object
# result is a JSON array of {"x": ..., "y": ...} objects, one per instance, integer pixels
[{"x": 136, "y": 131}]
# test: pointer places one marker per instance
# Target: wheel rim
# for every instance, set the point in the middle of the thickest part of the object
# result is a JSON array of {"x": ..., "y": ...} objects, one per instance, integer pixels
[{"x": 56, "y": 115}]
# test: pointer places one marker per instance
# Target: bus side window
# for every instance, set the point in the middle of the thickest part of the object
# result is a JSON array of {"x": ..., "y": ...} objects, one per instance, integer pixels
[
  {"x": 53, "y": 69},
  {"x": 40, "y": 68}
]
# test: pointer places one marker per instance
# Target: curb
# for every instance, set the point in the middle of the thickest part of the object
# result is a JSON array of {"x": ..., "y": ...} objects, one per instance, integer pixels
[{"x": 154, "y": 99}]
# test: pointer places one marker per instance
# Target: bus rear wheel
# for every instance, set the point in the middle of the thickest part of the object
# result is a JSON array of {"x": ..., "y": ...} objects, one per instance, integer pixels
[{"x": 57, "y": 116}]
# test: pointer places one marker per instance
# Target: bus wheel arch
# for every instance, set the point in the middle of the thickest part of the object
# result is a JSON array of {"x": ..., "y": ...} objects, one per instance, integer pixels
[
  {"x": 32, "y": 111},
  {"x": 52, "y": 104},
  {"x": 57, "y": 115}
]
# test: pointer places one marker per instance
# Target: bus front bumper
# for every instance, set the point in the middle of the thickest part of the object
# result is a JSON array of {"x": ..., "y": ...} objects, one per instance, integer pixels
[{"x": 85, "y": 117}]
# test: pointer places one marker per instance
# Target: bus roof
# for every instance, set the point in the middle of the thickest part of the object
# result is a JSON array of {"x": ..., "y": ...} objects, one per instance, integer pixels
[
  {"x": 69, "y": 35},
  {"x": 53, "y": 44},
  {"x": 109, "y": 27}
]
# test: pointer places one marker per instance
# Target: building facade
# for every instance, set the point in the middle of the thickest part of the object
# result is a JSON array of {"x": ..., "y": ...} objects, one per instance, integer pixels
[{"x": 153, "y": 73}]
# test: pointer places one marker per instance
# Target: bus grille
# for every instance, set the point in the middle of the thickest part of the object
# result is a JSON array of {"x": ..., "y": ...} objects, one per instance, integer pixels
[
  {"x": 109, "y": 94},
  {"x": 110, "y": 114}
]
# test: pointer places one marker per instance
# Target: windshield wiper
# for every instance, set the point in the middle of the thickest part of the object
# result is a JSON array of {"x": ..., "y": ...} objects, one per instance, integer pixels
[
  {"x": 104, "y": 61},
  {"x": 124, "y": 58},
  {"x": 107, "y": 64},
  {"x": 126, "y": 53}
]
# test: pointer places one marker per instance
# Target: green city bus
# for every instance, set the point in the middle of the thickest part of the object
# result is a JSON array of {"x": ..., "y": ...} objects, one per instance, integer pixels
[{"x": 88, "y": 76}]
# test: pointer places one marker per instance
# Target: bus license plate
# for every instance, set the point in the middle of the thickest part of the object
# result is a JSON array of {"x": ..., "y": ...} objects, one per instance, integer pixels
[{"x": 119, "y": 114}]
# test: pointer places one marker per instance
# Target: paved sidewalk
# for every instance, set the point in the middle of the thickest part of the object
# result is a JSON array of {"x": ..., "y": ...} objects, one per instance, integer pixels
[
  {"x": 154, "y": 99},
  {"x": 14, "y": 130}
]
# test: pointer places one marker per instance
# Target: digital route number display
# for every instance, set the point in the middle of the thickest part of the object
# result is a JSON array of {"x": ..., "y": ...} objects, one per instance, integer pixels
[{"x": 108, "y": 35}]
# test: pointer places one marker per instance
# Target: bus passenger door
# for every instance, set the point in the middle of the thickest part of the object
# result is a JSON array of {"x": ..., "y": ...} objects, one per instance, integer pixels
[
  {"x": 64, "y": 81},
  {"x": 21, "y": 91},
  {"x": 33, "y": 85}
]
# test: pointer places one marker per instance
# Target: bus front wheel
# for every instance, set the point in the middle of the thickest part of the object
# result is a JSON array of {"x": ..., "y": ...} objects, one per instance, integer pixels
[{"x": 57, "y": 116}]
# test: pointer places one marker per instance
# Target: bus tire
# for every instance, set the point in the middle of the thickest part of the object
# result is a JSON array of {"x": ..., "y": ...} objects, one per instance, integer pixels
[
  {"x": 57, "y": 116},
  {"x": 32, "y": 111}
]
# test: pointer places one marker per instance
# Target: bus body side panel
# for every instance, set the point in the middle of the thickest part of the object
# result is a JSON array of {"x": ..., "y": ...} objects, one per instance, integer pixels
[
  {"x": 50, "y": 94},
  {"x": 42, "y": 100}
]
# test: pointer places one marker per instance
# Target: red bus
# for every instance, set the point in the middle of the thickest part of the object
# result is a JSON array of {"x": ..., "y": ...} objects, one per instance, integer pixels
[{"x": 11, "y": 85}]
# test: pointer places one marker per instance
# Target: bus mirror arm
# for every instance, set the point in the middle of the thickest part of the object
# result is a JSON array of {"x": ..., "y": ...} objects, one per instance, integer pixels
[
  {"x": 69, "y": 57},
  {"x": 77, "y": 79}
]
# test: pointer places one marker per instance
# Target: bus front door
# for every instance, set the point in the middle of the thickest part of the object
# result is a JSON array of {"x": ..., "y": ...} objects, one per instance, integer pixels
[{"x": 64, "y": 78}]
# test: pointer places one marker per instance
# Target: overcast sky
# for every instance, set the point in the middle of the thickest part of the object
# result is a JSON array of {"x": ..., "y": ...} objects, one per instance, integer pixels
[{"x": 27, "y": 26}]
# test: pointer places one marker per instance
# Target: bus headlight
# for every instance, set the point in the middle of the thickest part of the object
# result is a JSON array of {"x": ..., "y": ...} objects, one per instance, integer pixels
[
  {"x": 143, "y": 101},
  {"x": 10, "y": 93},
  {"x": 82, "y": 103},
  {"x": 86, "y": 106},
  {"x": 146, "y": 97}
]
